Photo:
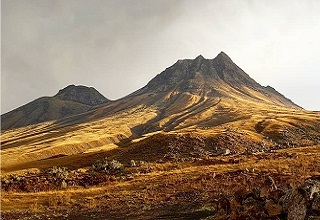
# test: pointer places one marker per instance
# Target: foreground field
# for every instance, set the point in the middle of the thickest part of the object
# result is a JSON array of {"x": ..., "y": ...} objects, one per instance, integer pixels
[{"x": 238, "y": 186}]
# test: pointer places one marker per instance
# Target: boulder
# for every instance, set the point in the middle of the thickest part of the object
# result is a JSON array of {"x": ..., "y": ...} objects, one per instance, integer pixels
[
  {"x": 272, "y": 208},
  {"x": 302, "y": 202}
]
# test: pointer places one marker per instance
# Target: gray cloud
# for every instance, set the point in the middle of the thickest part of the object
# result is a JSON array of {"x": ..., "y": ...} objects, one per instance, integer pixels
[{"x": 118, "y": 46}]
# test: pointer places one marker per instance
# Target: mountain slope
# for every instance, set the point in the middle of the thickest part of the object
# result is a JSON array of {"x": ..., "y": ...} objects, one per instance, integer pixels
[
  {"x": 202, "y": 138},
  {"x": 201, "y": 92},
  {"x": 68, "y": 101},
  {"x": 218, "y": 77},
  {"x": 213, "y": 98}
]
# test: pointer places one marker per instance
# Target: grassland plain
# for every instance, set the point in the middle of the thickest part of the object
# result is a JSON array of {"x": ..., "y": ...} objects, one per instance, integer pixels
[{"x": 172, "y": 189}]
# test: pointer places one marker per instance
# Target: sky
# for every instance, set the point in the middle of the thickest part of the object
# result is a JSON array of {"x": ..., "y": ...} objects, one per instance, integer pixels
[{"x": 117, "y": 46}]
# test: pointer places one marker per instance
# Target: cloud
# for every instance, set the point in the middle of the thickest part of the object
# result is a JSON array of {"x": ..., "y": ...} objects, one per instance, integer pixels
[{"x": 118, "y": 46}]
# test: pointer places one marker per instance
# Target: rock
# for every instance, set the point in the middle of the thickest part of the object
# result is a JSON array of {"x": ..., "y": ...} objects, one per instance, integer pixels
[
  {"x": 254, "y": 208},
  {"x": 133, "y": 163},
  {"x": 223, "y": 206},
  {"x": 272, "y": 208},
  {"x": 313, "y": 218},
  {"x": 227, "y": 152},
  {"x": 276, "y": 194},
  {"x": 264, "y": 192},
  {"x": 295, "y": 205},
  {"x": 303, "y": 202},
  {"x": 316, "y": 204}
]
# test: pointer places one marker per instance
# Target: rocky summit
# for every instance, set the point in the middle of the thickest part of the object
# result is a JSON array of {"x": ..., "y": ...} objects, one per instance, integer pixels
[
  {"x": 81, "y": 94},
  {"x": 68, "y": 101},
  {"x": 218, "y": 77}
]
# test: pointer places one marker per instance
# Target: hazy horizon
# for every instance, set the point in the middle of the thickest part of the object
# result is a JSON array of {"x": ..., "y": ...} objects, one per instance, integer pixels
[{"x": 118, "y": 46}]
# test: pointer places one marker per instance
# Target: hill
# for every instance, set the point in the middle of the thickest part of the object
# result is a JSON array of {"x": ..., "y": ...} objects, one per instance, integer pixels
[{"x": 68, "y": 101}]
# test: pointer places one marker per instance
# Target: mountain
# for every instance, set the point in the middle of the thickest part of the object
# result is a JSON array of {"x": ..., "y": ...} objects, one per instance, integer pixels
[
  {"x": 68, "y": 101},
  {"x": 201, "y": 139},
  {"x": 215, "y": 88},
  {"x": 211, "y": 103},
  {"x": 218, "y": 77}
]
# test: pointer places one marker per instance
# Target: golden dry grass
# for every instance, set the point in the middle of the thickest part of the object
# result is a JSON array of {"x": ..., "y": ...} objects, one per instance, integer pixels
[
  {"x": 131, "y": 131},
  {"x": 28, "y": 147},
  {"x": 191, "y": 184}
]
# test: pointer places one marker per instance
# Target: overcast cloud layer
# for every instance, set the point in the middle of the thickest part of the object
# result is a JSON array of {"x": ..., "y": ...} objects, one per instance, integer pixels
[{"x": 118, "y": 46}]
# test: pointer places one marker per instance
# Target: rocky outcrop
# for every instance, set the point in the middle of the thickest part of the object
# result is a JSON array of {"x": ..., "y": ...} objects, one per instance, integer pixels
[
  {"x": 81, "y": 94},
  {"x": 303, "y": 202},
  {"x": 299, "y": 203}
]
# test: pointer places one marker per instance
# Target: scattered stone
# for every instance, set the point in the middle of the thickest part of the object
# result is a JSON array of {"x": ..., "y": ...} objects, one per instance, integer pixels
[
  {"x": 272, "y": 208},
  {"x": 223, "y": 206},
  {"x": 264, "y": 192},
  {"x": 133, "y": 163},
  {"x": 295, "y": 205},
  {"x": 227, "y": 152}
]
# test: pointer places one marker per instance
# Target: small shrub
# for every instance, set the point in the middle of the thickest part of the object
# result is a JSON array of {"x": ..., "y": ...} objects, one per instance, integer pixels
[
  {"x": 5, "y": 181},
  {"x": 64, "y": 184},
  {"x": 35, "y": 207},
  {"x": 115, "y": 165},
  {"x": 207, "y": 209},
  {"x": 107, "y": 166},
  {"x": 58, "y": 172},
  {"x": 60, "y": 200},
  {"x": 91, "y": 203},
  {"x": 133, "y": 163}
]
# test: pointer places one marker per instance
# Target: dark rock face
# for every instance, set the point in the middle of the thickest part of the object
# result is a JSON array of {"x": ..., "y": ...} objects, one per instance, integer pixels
[
  {"x": 210, "y": 77},
  {"x": 82, "y": 94}
]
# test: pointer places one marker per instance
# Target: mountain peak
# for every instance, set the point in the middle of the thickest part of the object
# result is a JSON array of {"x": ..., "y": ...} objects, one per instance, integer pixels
[
  {"x": 73, "y": 87},
  {"x": 218, "y": 77},
  {"x": 198, "y": 61},
  {"x": 223, "y": 57},
  {"x": 70, "y": 100},
  {"x": 82, "y": 94},
  {"x": 200, "y": 57}
]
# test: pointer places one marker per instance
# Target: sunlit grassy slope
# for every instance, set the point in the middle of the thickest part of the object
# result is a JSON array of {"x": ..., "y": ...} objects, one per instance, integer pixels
[
  {"x": 204, "y": 130},
  {"x": 63, "y": 142},
  {"x": 172, "y": 188}
]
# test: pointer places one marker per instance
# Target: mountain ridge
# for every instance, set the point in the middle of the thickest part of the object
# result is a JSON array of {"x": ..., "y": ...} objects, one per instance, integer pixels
[
  {"x": 187, "y": 84},
  {"x": 208, "y": 75}
]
